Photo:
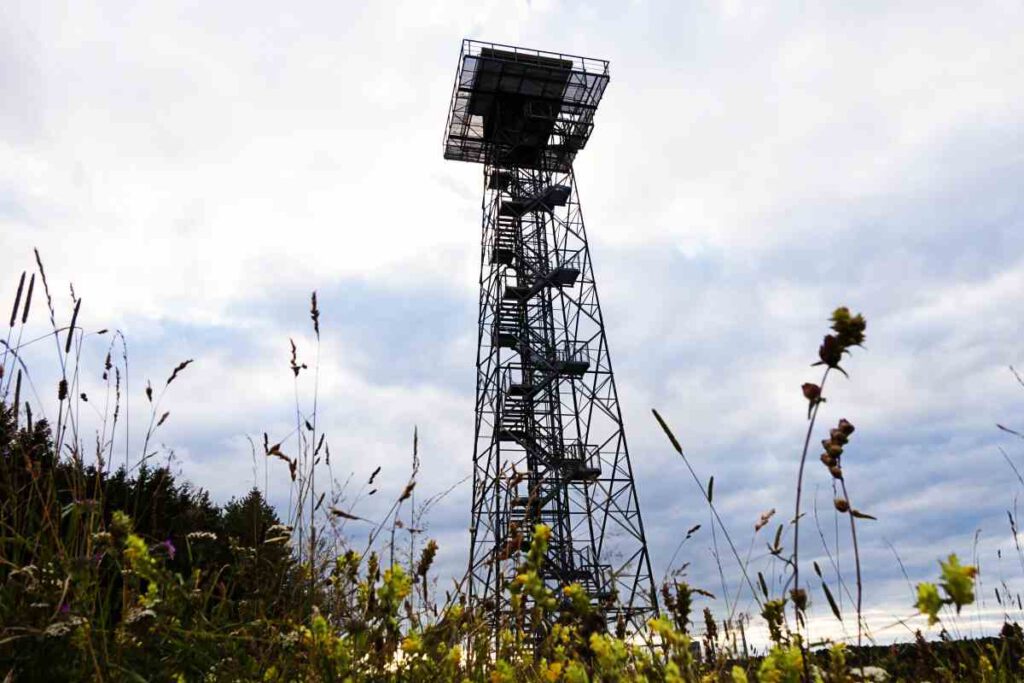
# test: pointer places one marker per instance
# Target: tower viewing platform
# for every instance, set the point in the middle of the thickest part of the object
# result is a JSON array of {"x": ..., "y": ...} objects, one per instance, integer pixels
[{"x": 524, "y": 108}]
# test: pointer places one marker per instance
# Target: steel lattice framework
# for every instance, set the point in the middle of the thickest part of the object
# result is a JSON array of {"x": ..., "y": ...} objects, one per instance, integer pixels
[{"x": 550, "y": 446}]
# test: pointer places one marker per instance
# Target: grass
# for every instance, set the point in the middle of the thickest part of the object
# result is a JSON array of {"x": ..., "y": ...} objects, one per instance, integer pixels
[{"x": 111, "y": 569}]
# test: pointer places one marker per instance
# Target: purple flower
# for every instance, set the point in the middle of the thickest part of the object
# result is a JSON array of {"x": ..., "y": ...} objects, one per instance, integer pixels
[
  {"x": 65, "y": 608},
  {"x": 169, "y": 548}
]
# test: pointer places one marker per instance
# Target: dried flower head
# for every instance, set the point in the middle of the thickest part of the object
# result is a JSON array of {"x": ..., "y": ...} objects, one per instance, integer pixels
[
  {"x": 799, "y": 597},
  {"x": 812, "y": 392},
  {"x": 832, "y": 448},
  {"x": 426, "y": 559},
  {"x": 764, "y": 519},
  {"x": 830, "y": 352}
]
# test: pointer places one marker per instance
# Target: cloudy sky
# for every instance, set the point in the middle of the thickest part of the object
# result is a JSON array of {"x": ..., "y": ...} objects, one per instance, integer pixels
[{"x": 197, "y": 168}]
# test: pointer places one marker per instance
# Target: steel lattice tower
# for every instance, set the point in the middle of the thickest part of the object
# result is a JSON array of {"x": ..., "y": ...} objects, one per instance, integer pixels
[{"x": 550, "y": 446}]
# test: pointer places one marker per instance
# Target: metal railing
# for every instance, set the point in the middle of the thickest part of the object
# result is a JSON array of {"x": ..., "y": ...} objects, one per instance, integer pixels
[{"x": 572, "y": 352}]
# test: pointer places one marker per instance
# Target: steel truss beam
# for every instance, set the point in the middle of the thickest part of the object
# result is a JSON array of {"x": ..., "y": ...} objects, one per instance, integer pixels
[{"x": 550, "y": 446}]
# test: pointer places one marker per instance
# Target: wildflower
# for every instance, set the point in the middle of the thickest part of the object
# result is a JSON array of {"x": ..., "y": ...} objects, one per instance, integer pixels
[
  {"x": 121, "y": 523},
  {"x": 928, "y": 601},
  {"x": 773, "y": 612},
  {"x": 137, "y": 614},
  {"x": 799, "y": 596},
  {"x": 958, "y": 581},
  {"x": 835, "y": 435},
  {"x": 168, "y": 547},
  {"x": 426, "y": 559},
  {"x": 764, "y": 519},
  {"x": 832, "y": 448},
  {"x": 812, "y": 392},
  {"x": 830, "y": 352},
  {"x": 412, "y": 644},
  {"x": 849, "y": 329},
  {"x": 782, "y": 664},
  {"x": 407, "y": 491},
  {"x": 62, "y": 628},
  {"x": 833, "y": 445},
  {"x": 552, "y": 671}
]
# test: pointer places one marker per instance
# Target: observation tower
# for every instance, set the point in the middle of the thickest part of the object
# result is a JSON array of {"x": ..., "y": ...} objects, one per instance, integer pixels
[{"x": 550, "y": 447}]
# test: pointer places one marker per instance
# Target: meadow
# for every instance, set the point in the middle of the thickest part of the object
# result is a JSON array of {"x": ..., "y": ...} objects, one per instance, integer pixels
[{"x": 112, "y": 568}]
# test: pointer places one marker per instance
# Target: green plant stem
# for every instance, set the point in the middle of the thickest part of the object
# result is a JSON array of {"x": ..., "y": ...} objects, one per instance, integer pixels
[
  {"x": 856, "y": 562},
  {"x": 796, "y": 516}
]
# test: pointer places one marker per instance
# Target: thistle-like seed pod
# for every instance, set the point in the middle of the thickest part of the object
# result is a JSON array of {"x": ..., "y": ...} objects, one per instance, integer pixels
[
  {"x": 828, "y": 460},
  {"x": 799, "y": 596},
  {"x": 837, "y": 436},
  {"x": 831, "y": 351},
  {"x": 842, "y": 505},
  {"x": 832, "y": 448},
  {"x": 837, "y": 471},
  {"x": 845, "y": 427}
]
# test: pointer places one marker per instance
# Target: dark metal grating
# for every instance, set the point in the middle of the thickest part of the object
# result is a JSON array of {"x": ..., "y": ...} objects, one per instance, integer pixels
[{"x": 527, "y": 108}]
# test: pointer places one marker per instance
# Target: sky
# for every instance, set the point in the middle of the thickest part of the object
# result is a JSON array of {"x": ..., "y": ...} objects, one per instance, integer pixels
[{"x": 196, "y": 169}]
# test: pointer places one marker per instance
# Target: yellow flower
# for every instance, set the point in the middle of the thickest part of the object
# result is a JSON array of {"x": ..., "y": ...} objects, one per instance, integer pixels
[{"x": 552, "y": 672}]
